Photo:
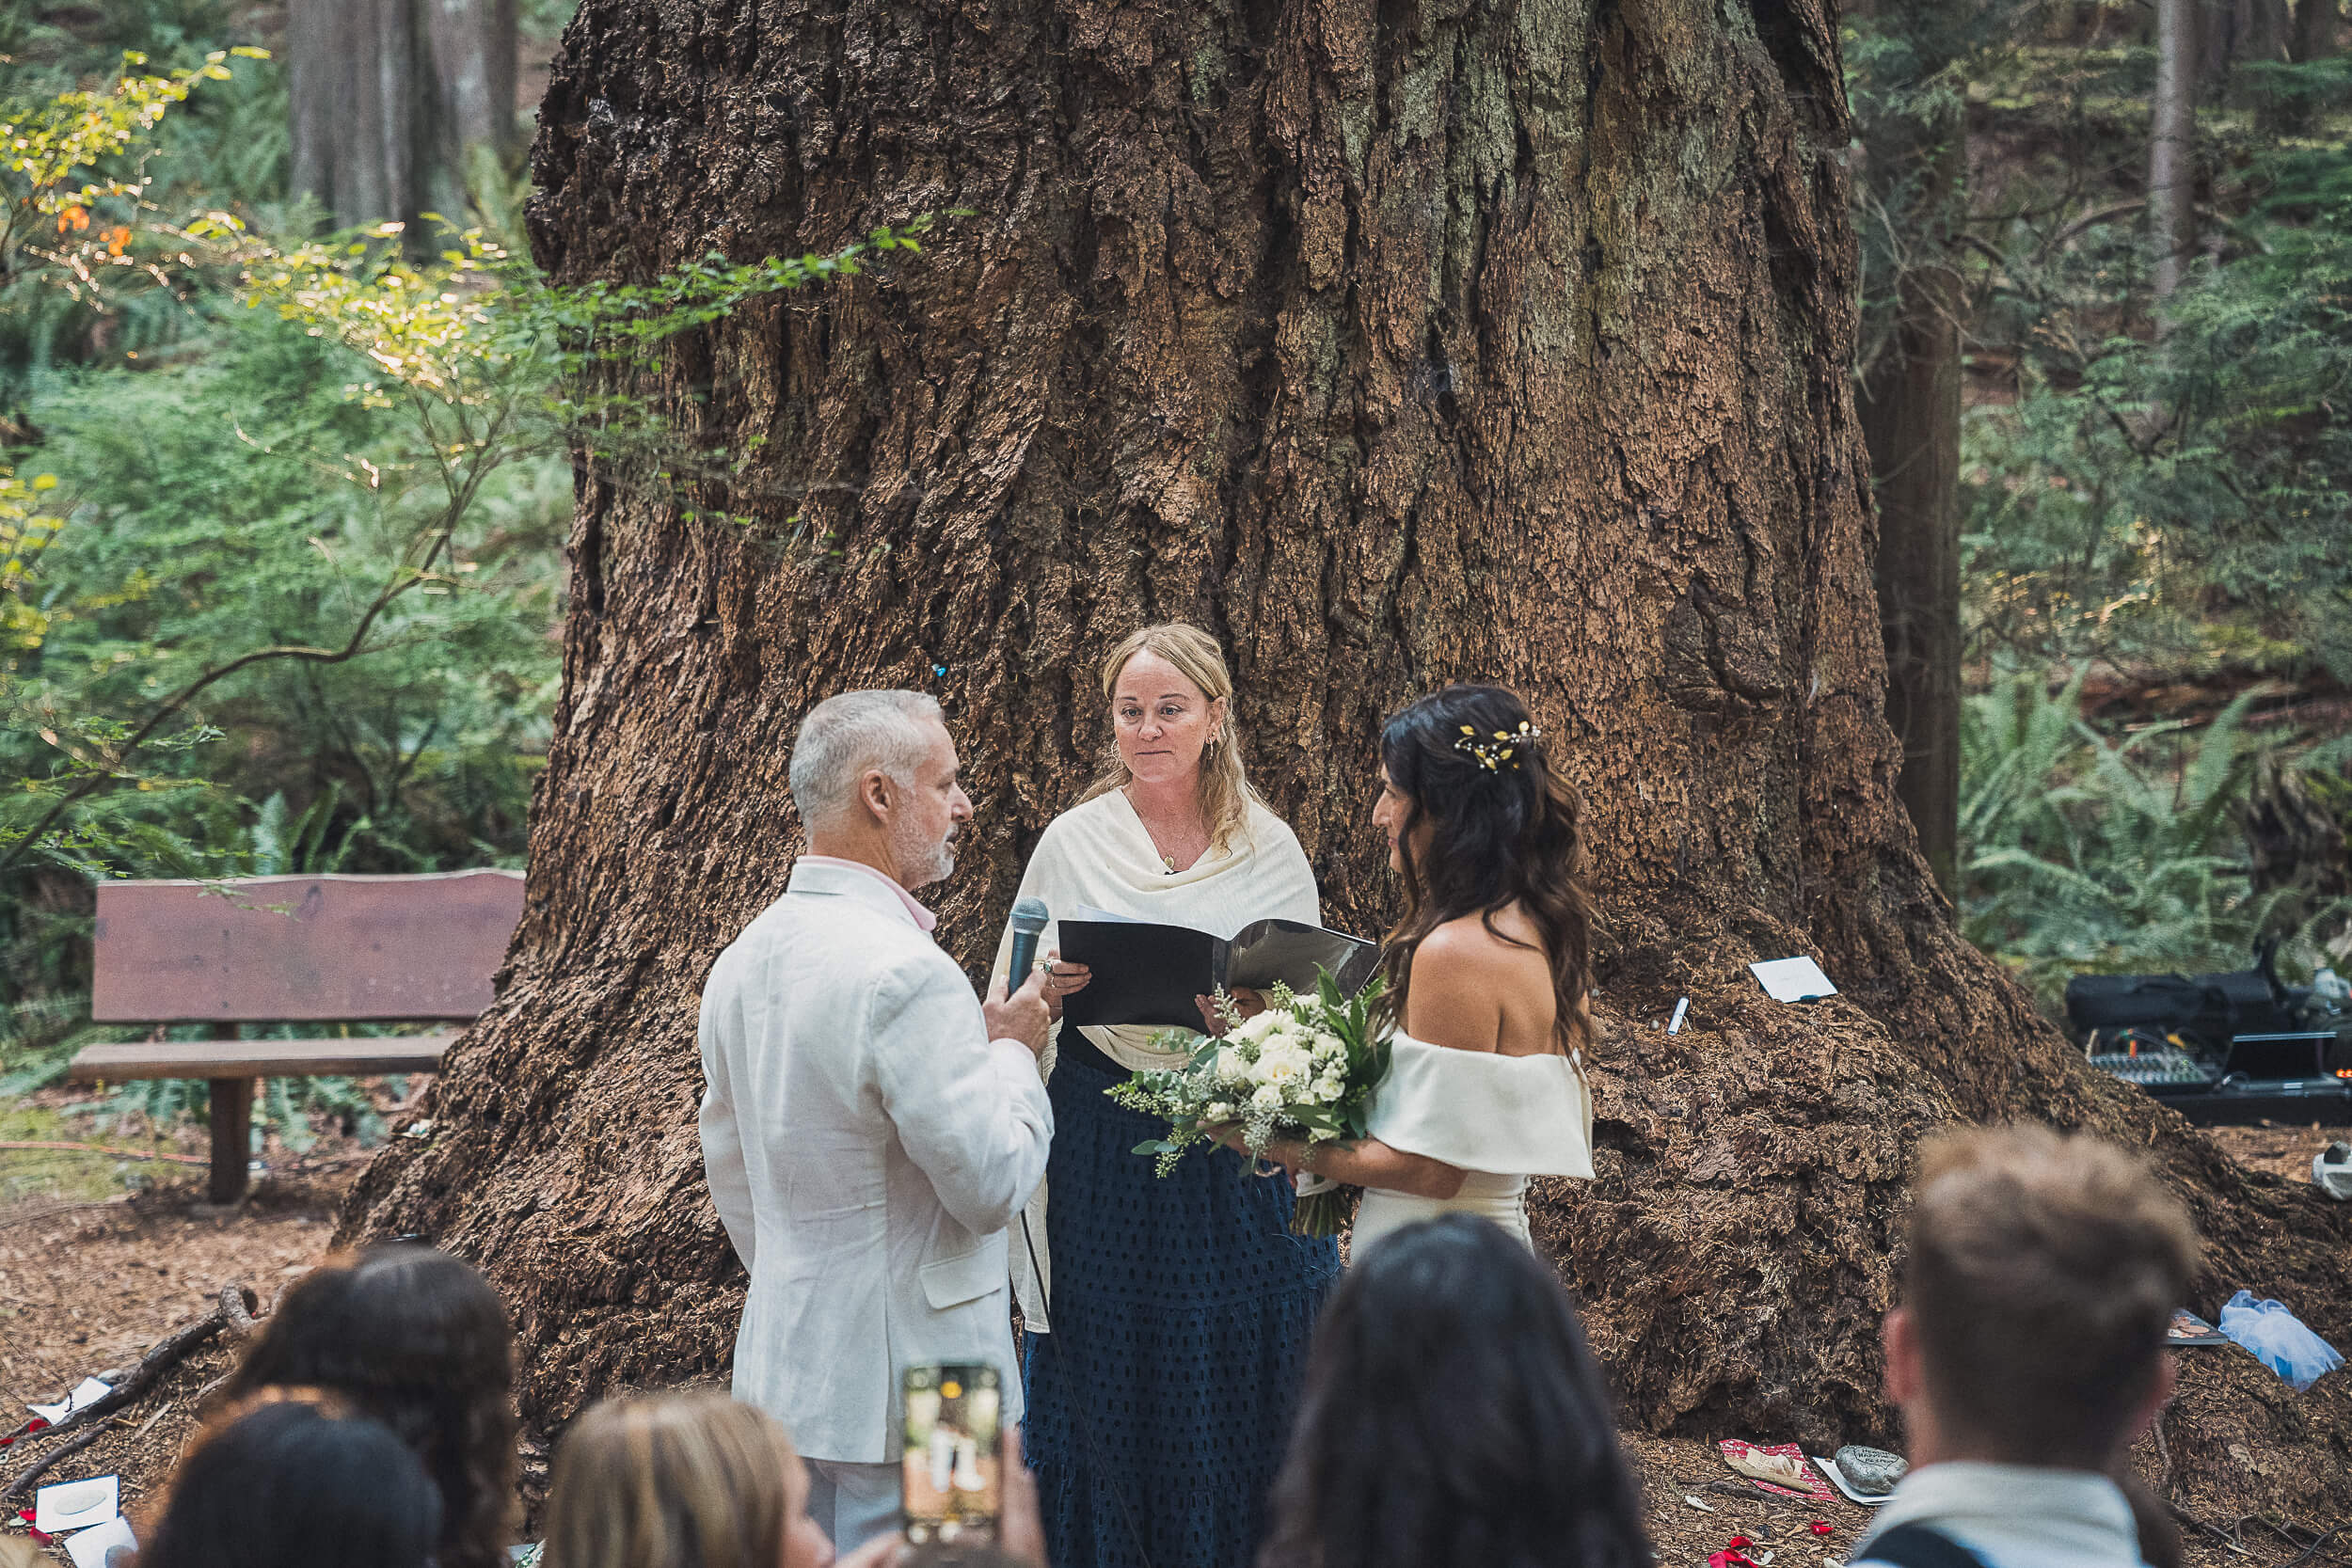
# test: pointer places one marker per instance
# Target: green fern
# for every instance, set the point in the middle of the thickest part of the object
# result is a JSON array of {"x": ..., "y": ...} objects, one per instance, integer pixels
[{"x": 2086, "y": 853}]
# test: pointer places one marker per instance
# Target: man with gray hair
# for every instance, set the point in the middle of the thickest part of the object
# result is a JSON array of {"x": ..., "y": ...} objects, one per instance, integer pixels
[{"x": 869, "y": 1127}]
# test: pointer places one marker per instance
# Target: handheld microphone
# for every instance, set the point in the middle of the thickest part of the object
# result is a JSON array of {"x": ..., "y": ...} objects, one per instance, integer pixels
[{"x": 1028, "y": 924}]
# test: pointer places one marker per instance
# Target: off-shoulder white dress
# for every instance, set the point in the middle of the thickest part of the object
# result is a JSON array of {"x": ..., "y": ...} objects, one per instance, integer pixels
[{"x": 1500, "y": 1118}]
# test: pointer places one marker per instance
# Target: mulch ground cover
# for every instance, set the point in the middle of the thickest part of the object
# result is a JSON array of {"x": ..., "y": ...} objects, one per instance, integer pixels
[{"x": 89, "y": 1286}]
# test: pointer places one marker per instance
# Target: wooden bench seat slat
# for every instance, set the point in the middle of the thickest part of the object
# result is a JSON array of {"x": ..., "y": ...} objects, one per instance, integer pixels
[
  {"x": 258, "y": 1059},
  {"x": 283, "y": 949}
]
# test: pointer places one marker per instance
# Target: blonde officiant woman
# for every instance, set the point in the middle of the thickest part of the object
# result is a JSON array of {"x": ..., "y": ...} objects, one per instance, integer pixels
[{"x": 1168, "y": 1319}]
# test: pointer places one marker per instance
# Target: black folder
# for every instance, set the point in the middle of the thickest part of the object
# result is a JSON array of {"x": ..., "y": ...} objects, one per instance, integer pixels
[{"x": 1148, "y": 974}]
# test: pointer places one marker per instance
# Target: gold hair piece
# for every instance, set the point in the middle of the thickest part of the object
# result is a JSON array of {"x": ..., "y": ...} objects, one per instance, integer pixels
[{"x": 1503, "y": 748}]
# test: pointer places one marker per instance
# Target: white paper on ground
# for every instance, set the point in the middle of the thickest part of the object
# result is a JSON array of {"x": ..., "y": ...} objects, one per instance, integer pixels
[
  {"x": 88, "y": 1548},
  {"x": 76, "y": 1504},
  {"x": 1829, "y": 1469},
  {"x": 86, "y": 1393},
  {"x": 1798, "y": 979}
]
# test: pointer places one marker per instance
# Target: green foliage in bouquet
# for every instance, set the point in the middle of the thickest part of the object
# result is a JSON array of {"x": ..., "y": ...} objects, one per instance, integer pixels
[{"x": 1303, "y": 1068}]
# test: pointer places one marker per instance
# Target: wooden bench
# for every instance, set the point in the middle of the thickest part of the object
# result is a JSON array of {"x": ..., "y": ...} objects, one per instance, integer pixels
[{"x": 267, "y": 950}]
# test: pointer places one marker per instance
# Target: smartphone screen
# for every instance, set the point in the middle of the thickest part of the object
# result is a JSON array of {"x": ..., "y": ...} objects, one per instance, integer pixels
[{"x": 954, "y": 1484}]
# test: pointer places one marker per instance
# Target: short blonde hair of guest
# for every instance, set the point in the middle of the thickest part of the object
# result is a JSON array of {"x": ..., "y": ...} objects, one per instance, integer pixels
[
  {"x": 678, "y": 1481},
  {"x": 2043, "y": 1274},
  {"x": 1225, "y": 790}
]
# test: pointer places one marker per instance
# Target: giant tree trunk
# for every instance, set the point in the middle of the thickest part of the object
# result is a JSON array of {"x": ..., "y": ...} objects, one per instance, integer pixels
[{"x": 1396, "y": 344}]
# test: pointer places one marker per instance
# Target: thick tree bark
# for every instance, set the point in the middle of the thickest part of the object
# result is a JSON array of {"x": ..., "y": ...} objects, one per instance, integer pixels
[
  {"x": 1397, "y": 343},
  {"x": 385, "y": 98}
]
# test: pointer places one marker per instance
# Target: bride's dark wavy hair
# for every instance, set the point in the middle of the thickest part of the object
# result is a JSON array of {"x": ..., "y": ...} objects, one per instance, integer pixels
[
  {"x": 1499, "y": 834},
  {"x": 1453, "y": 1417}
]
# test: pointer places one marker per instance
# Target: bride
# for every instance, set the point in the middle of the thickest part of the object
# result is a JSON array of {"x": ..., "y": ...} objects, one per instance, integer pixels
[{"x": 1487, "y": 973}]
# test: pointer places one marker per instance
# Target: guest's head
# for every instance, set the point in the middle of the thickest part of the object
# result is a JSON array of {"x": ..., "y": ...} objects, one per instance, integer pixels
[
  {"x": 418, "y": 1341},
  {"x": 682, "y": 1481},
  {"x": 1171, "y": 702},
  {"x": 1479, "y": 816},
  {"x": 293, "y": 1478},
  {"x": 1453, "y": 1418},
  {"x": 2042, "y": 1275},
  {"x": 875, "y": 776}
]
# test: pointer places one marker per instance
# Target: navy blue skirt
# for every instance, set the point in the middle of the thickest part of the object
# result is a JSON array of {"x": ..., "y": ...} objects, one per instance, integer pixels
[{"x": 1160, "y": 1405}]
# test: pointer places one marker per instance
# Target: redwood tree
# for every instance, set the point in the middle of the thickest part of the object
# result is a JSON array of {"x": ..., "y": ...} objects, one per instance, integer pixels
[{"x": 1396, "y": 344}]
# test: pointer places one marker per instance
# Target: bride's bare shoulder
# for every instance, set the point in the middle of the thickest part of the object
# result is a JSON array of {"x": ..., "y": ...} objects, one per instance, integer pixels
[{"x": 1504, "y": 946}]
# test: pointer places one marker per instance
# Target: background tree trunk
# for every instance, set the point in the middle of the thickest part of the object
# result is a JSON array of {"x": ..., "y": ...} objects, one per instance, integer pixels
[
  {"x": 2316, "y": 26},
  {"x": 1914, "y": 138},
  {"x": 1911, "y": 423},
  {"x": 2173, "y": 144},
  {"x": 386, "y": 97},
  {"x": 355, "y": 81},
  {"x": 1396, "y": 344}
]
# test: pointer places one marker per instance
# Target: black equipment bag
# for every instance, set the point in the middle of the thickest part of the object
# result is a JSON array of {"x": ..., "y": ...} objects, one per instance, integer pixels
[{"x": 2212, "y": 1007}]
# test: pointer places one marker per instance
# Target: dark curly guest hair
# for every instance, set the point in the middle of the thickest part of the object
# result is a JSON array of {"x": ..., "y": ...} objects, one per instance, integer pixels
[
  {"x": 1453, "y": 1418},
  {"x": 1505, "y": 828},
  {"x": 418, "y": 1341},
  {"x": 291, "y": 1479}
]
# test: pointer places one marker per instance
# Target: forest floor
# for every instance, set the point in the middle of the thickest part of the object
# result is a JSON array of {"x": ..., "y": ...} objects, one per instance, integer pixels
[{"x": 85, "y": 1286}]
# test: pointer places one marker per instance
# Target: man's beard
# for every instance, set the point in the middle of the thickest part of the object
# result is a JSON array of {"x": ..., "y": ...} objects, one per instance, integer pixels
[{"x": 923, "y": 863}]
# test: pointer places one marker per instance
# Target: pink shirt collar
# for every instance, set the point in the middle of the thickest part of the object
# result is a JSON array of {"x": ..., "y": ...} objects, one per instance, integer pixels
[{"x": 915, "y": 911}]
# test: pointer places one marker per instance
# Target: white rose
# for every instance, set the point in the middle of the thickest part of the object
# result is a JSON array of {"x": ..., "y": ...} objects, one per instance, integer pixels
[
  {"x": 1230, "y": 1065},
  {"x": 1268, "y": 1096},
  {"x": 1281, "y": 1063},
  {"x": 1258, "y": 1028},
  {"x": 1329, "y": 1088}
]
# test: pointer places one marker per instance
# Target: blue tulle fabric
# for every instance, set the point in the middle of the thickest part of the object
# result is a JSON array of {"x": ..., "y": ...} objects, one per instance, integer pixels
[{"x": 1181, "y": 1309}]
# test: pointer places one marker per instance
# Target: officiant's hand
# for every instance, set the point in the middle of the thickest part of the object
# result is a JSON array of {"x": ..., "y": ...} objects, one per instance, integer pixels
[
  {"x": 1063, "y": 981},
  {"x": 1245, "y": 1002}
]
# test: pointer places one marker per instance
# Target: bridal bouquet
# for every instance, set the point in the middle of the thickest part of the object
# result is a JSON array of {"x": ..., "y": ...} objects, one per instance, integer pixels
[{"x": 1303, "y": 1068}]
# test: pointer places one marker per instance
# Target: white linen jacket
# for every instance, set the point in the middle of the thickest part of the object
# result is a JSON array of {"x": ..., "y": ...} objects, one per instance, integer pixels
[{"x": 865, "y": 1144}]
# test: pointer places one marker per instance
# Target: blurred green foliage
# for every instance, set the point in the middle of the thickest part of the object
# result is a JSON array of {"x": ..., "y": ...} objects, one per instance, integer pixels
[
  {"x": 2155, "y": 497},
  {"x": 2087, "y": 852},
  {"x": 280, "y": 535},
  {"x": 2171, "y": 491}
]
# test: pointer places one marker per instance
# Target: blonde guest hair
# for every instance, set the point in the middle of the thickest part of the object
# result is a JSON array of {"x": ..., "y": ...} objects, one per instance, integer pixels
[
  {"x": 682, "y": 1481},
  {"x": 1225, "y": 790}
]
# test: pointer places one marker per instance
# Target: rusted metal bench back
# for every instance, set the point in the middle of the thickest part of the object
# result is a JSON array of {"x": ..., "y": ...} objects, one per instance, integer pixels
[{"x": 272, "y": 949}]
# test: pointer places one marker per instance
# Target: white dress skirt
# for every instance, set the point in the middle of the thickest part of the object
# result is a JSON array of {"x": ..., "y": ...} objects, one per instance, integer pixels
[{"x": 1500, "y": 1119}]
